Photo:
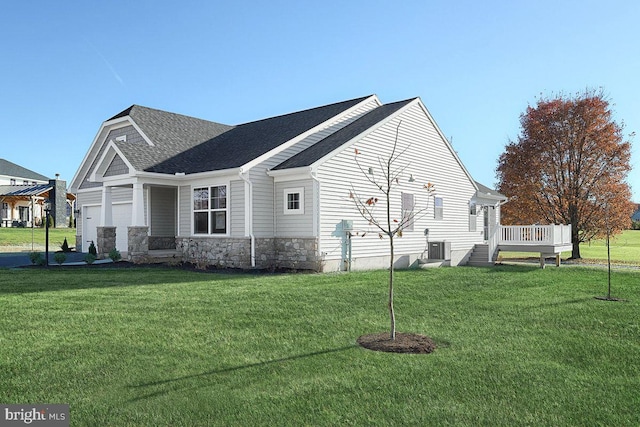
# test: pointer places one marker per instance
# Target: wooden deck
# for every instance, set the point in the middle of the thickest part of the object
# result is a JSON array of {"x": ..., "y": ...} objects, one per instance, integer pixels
[{"x": 547, "y": 240}]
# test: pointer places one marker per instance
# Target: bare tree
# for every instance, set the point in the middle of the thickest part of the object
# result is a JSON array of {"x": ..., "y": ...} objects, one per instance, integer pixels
[{"x": 389, "y": 225}]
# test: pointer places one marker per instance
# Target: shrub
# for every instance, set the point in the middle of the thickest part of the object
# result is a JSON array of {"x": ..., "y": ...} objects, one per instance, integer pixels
[
  {"x": 114, "y": 254},
  {"x": 90, "y": 258},
  {"x": 65, "y": 246},
  {"x": 36, "y": 258},
  {"x": 92, "y": 249},
  {"x": 60, "y": 257}
]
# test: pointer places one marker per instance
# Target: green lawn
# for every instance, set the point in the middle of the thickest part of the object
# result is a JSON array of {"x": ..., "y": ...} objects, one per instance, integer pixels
[
  {"x": 25, "y": 237},
  {"x": 518, "y": 345}
]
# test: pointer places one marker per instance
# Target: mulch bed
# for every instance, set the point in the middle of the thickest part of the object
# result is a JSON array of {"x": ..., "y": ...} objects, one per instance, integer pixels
[{"x": 404, "y": 343}]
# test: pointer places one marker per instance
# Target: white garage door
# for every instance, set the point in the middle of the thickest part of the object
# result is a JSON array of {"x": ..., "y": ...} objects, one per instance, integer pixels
[{"x": 121, "y": 219}]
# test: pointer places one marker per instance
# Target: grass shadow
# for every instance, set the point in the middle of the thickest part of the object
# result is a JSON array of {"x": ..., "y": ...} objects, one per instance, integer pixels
[
  {"x": 66, "y": 278},
  {"x": 174, "y": 382}
]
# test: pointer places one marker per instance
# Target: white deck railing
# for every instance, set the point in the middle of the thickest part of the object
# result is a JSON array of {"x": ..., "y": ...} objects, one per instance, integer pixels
[
  {"x": 535, "y": 235},
  {"x": 529, "y": 235}
]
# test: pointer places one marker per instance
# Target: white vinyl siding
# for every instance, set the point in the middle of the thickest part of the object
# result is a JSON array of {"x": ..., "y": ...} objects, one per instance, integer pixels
[
  {"x": 429, "y": 159},
  {"x": 300, "y": 225},
  {"x": 184, "y": 212},
  {"x": 263, "y": 186},
  {"x": 163, "y": 211},
  {"x": 237, "y": 208}
]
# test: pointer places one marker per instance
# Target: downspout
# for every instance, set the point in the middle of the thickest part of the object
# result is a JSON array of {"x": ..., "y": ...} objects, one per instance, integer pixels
[
  {"x": 316, "y": 214},
  {"x": 248, "y": 209}
]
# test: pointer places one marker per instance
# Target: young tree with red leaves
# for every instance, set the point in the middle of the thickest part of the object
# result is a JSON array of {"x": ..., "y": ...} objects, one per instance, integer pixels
[{"x": 568, "y": 166}]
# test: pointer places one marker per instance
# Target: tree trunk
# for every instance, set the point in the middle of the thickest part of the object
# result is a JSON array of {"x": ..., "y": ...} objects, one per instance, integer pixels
[
  {"x": 392, "y": 314},
  {"x": 575, "y": 237},
  {"x": 575, "y": 251}
]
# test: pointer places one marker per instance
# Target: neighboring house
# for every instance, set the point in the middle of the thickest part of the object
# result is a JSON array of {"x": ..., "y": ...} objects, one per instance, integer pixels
[
  {"x": 275, "y": 192},
  {"x": 22, "y": 196},
  {"x": 636, "y": 214}
]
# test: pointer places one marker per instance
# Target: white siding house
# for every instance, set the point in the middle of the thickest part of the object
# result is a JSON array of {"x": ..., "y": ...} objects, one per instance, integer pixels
[{"x": 274, "y": 193}]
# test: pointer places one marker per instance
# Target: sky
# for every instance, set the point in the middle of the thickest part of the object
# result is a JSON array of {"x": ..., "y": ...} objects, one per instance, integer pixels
[{"x": 68, "y": 66}]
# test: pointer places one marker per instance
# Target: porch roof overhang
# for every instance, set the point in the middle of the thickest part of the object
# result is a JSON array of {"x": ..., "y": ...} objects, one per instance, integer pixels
[{"x": 303, "y": 172}]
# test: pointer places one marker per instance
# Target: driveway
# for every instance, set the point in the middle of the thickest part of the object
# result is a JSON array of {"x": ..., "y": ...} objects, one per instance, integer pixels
[{"x": 21, "y": 259}]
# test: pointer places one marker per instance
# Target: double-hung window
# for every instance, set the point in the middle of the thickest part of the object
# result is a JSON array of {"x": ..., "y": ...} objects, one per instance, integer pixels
[
  {"x": 438, "y": 211},
  {"x": 408, "y": 204},
  {"x": 473, "y": 215},
  {"x": 210, "y": 210}
]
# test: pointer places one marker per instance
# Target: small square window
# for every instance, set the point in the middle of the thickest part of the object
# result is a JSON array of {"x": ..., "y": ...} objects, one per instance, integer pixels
[{"x": 294, "y": 201}]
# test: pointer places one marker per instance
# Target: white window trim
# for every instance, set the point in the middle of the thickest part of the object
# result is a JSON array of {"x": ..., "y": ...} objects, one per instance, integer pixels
[
  {"x": 209, "y": 210},
  {"x": 296, "y": 190}
]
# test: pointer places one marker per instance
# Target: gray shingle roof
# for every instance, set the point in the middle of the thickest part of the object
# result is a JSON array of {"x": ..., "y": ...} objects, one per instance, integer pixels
[
  {"x": 318, "y": 150},
  {"x": 11, "y": 169},
  {"x": 240, "y": 144},
  {"x": 486, "y": 190},
  {"x": 170, "y": 133}
]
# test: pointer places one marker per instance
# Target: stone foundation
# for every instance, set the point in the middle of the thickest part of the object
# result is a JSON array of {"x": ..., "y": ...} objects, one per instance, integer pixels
[
  {"x": 222, "y": 252},
  {"x": 160, "y": 243},
  {"x": 296, "y": 253},
  {"x": 106, "y": 240},
  {"x": 79, "y": 245},
  {"x": 271, "y": 253}
]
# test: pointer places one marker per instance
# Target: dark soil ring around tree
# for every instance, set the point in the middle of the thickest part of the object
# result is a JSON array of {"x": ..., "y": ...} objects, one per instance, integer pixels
[{"x": 404, "y": 343}]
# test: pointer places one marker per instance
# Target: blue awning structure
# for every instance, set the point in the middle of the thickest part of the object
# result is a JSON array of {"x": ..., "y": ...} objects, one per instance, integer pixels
[{"x": 24, "y": 190}]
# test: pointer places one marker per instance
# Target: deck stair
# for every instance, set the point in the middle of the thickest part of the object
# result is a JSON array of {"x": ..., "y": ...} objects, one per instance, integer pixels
[{"x": 480, "y": 256}]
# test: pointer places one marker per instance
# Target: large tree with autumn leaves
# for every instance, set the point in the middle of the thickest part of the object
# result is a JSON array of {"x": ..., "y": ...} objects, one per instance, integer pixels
[{"x": 569, "y": 165}]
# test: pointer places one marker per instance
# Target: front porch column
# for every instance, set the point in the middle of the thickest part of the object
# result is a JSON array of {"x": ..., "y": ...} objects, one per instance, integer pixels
[
  {"x": 137, "y": 208},
  {"x": 106, "y": 217},
  {"x": 138, "y": 243},
  {"x": 106, "y": 240}
]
